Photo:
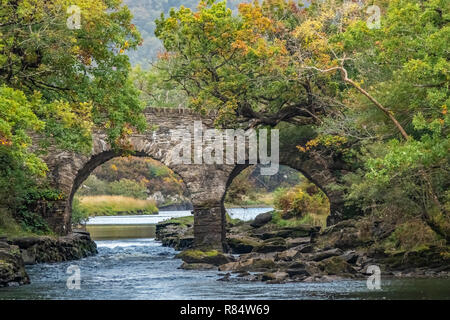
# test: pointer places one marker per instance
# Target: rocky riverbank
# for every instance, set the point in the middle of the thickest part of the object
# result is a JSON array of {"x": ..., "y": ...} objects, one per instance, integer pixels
[
  {"x": 261, "y": 250},
  {"x": 15, "y": 253}
]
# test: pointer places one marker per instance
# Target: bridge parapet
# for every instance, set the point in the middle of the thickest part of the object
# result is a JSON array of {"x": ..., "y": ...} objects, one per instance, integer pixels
[{"x": 211, "y": 114}]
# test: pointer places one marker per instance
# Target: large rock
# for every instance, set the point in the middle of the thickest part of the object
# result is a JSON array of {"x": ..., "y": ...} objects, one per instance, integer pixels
[
  {"x": 12, "y": 268},
  {"x": 261, "y": 219},
  {"x": 213, "y": 257},
  {"x": 336, "y": 266},
  {"x": 294, "y": 232},
  {"x": 176, "y": 234},
  {"x": 250, "y": 264},
  {"x": 274, "y": 277},
  {"x": 297, "y": 241},
  {"x": 322, "y": 255},
  {"x": 287, "y": 255},
  {"x": 197, "y": 266},
  {"x": 242, "y": 244},
  {"x": 271, "y": 245},
  {"x": 345, "y": 235},
  {"x": 46, "y": 249}
]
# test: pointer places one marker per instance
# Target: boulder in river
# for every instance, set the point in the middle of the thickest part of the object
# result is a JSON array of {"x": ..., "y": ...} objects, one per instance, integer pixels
[
  {"x": 242, "y": 244},
  {"x": 271, "y": 245},
  {"x": 12, "y": 268},
  {"x": 261, "y": 219},
  {"x": 336, "y": 266},
  {"x": 197, "y": 266},
  {"x": 213, "y": 257}
]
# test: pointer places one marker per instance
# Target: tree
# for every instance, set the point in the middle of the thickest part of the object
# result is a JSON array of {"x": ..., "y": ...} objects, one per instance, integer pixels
[
  {"x": 241, "y": 65},
  {"x": 59, "y": 82},
  {"x": 39, "y": 52}
]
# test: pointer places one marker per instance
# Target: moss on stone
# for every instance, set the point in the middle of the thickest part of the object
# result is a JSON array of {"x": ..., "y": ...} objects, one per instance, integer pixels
[
  {"x": 198, "y": 256},
  {"x": 335, "y": 266},
  {"x": 263, "y": 264}
]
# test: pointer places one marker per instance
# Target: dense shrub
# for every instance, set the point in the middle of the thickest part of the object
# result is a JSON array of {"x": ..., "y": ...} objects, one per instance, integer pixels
[{"x": 301, "y": 200}]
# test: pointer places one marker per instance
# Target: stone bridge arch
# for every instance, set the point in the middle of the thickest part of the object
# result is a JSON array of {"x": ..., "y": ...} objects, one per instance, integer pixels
[{"x": 207, "y": 184}]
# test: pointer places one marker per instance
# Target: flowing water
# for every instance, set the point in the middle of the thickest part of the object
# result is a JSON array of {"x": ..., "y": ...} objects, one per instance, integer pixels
[{"x": 141, "y": 268}]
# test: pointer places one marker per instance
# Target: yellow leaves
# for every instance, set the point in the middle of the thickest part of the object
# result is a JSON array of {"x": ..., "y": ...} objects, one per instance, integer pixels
[
  {"x": 113, "y": 167},
  {"x": 5, "y": 142},
  {"x": 310, "y": 144},
  {"x": 126, "y": 130},
  {"x": 308, "y": 31},
  {"x": 240, "y": 45},
  {"x": 326, "y": 141},
  {"x": 76, "y": 50},
  {"x": 164, "y": 55},
  {"x": 253, "y": 17}
]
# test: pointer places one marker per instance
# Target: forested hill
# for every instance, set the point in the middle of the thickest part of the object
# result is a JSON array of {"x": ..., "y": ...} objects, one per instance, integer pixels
[{"x": 145, "y": 12}]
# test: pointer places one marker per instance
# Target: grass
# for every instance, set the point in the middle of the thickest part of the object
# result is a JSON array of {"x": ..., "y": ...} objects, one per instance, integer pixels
[
  {"x": 116, "y": 205},
  {"x": 183, "y": 221},
  {"x": 308, "y": 219}
]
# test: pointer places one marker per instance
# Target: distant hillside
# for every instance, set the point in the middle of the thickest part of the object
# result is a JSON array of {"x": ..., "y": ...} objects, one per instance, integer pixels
[{"x": 145, "y": 13}]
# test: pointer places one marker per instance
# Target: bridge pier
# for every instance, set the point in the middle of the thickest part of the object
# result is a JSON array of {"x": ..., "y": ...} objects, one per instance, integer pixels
[
  {"x": 209, "y": 227},
  {"x": 57, "y": 215}
]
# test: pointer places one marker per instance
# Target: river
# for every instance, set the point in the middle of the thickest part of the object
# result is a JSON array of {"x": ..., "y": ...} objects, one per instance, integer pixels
[{"x": 140, "y": 268}]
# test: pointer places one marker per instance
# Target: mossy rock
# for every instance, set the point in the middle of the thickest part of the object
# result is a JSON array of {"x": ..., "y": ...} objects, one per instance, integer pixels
[
  {"x": 294, "y": 232},
  {"x": 12, "y": 269},
  {"x": 426, "y": 257},
  {"x": 240, "y": 245},
  {"x": 213, "y": 257},
  {"x": 335, "y": 266},
  {"x": 271, "y": 245},
  {"x": 262, "y": 265}
]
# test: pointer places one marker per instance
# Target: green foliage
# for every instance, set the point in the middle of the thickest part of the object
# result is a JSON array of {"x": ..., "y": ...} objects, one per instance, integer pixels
[
  {"x": 79, "y": 213},
  {"x": 32, "y": 222},
  {"x": 128, "y": 188},
  {"x": 10, "y": 227},
  {"x": 93, "y": 186},
  {"x": 301, "y": 200},
  {"x": 58, "y": 83},
  {"x": 407, "y": 177},
  {"x": 183, "y": 221},
  {"x": 251, "y": 188},
  {"x": 155, "y": 90},
  {"x": 413, "y": 235},
  {"x": 240, "y": 65},
  {"x": 17, "y": 119},
  {"x": 73, "y": 69}
]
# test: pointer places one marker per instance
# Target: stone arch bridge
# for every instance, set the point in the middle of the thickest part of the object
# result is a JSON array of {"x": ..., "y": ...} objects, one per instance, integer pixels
[{"x": 207, "y": 184}]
